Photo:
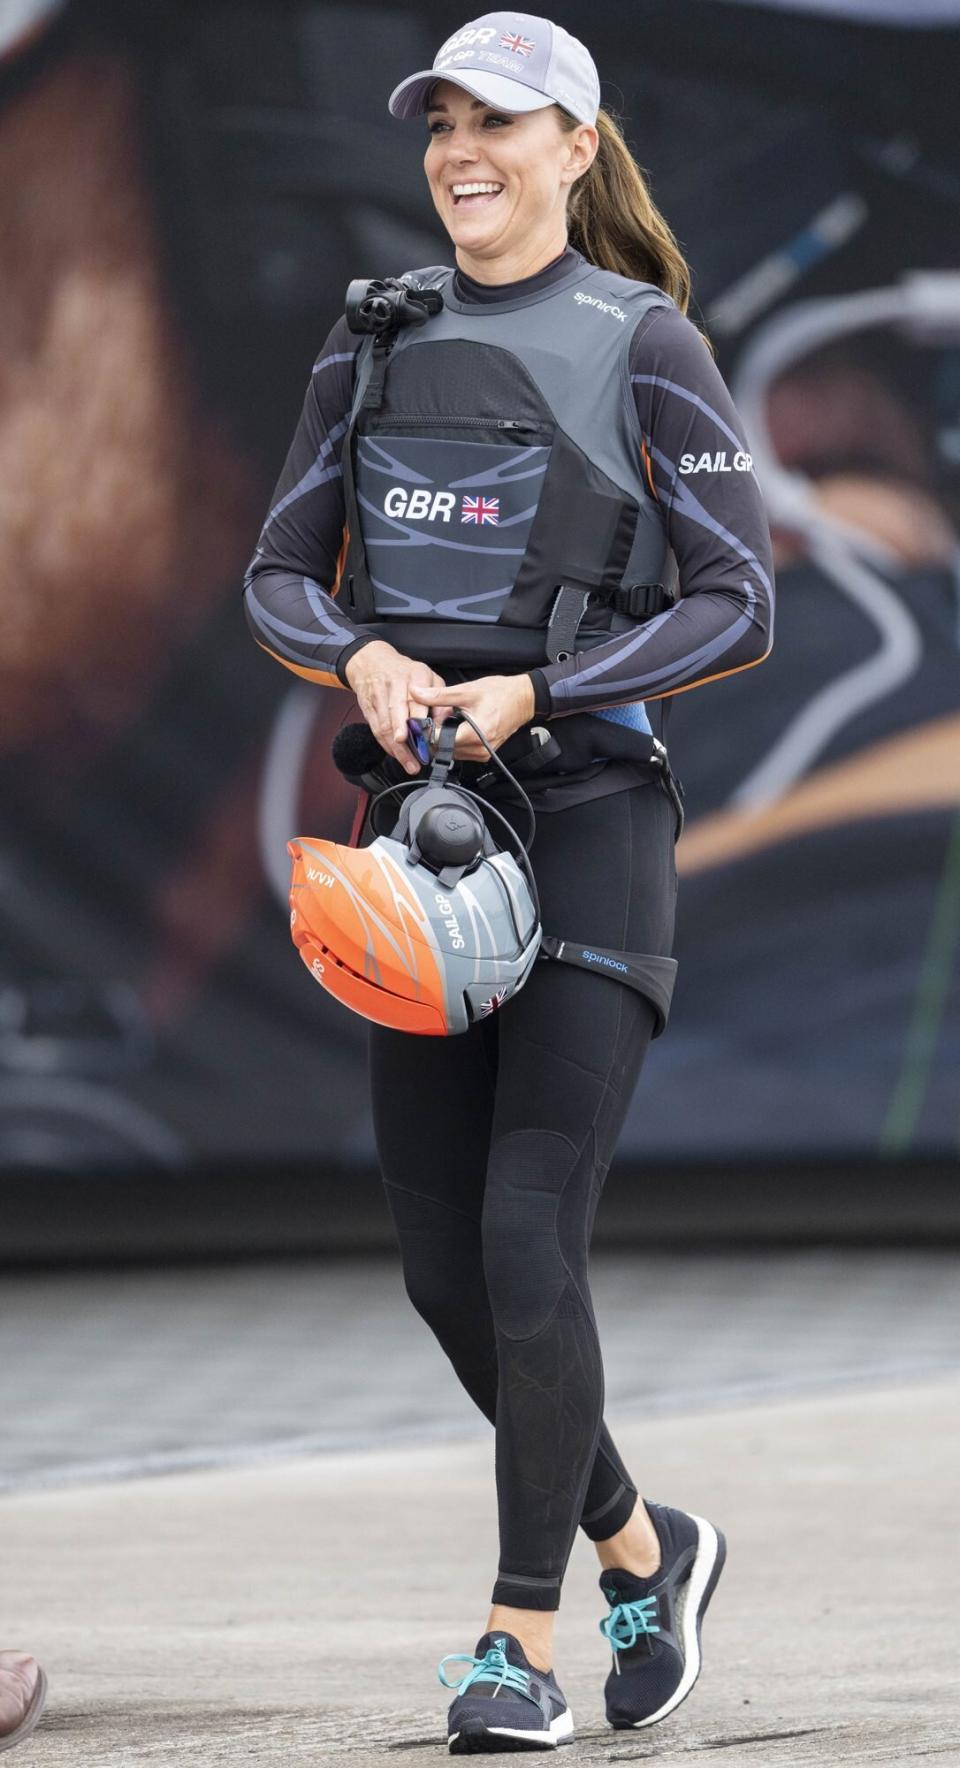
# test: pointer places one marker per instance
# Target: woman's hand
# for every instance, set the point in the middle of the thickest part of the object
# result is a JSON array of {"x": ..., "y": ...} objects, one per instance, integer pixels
[
  {"x": 391, "y": 688},
  {"x": 499, "y": 704}
]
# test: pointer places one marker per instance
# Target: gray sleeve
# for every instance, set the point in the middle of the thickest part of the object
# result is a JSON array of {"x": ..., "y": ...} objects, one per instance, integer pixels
[
  {"x": 698, "y": 468},
  {"x": 291, "y": 583}
]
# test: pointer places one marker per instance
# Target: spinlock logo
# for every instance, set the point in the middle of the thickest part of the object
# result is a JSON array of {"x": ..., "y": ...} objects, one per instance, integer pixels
[
  {"x": 599, "y": 958},
  {"x": 450, "y": 921},
  {"x": 322, "y": 878},
  {"x": 604, "y": 306},
  {"x": 716, "y": 463}
]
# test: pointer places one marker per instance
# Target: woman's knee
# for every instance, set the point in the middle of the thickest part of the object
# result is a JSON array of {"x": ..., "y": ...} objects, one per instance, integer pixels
[
  {"x": 526, "y": 1271},
  {"x": 441, "y": 1261}
]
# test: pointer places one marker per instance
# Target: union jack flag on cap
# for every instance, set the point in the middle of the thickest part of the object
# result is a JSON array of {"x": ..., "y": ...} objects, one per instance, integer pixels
[{"x": 513, "y": 40}]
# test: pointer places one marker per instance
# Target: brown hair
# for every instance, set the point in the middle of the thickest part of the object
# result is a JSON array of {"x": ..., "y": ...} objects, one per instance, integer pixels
[{"x": 613, "y": 220}]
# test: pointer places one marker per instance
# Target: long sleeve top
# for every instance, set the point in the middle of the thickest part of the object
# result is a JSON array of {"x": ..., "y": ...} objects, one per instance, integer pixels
[{"x": 697, "y": 466}]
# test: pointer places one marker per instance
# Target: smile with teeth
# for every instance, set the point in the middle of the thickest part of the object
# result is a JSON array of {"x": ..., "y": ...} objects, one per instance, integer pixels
[{"x": 473, "y": 195}]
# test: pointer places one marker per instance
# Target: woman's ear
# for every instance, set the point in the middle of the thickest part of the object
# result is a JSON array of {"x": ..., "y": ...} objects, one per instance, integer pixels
[{"x": 584, "y": 147}]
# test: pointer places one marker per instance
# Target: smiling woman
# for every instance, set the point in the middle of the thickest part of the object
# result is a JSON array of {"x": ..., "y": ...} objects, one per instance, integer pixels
[
  {"x": 488, "y": 512},
  {"x": 608, "y": 211},
  {"x": 500, "y": 183}
]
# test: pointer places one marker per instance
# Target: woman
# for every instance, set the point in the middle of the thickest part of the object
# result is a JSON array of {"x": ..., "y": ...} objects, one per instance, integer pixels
[{"x": 494, "y": 1179}]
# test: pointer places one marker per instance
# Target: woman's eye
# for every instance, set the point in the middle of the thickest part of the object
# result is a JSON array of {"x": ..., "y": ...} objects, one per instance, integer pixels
[{"x": 435, "y": 127}]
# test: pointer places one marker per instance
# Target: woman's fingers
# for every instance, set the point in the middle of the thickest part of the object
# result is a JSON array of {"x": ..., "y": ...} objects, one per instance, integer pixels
[
  {"x": 424, "y": 686},
  {"x": 396, "y": 695},
  {"x": 399, "y": 713},
  {"x": 386, "y": 714}
]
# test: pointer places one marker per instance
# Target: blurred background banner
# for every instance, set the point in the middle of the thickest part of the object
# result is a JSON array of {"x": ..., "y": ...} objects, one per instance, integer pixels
[{"x": 185, "y": 191}]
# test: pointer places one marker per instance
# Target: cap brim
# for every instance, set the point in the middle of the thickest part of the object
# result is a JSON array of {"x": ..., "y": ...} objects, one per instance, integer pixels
[{"x": 409, "y": 99}]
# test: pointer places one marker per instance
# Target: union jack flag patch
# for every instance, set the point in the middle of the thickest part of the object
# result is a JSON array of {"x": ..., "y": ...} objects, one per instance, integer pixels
[
  {"x": 520, "y": 45},
  {"x": 495, "y": 1001},
  {"x": 480, "y": 509}
]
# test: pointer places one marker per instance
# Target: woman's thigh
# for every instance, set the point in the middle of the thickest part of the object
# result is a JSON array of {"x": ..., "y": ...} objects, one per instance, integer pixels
[
  {"x": 606, "y": 876},
  {"x": 571, "y": 1047},
  {"x": 432, "y": 1108}
]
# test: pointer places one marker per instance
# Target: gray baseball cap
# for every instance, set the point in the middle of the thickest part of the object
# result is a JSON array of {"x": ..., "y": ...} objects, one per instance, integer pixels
[{"x": 513, "y": 60}]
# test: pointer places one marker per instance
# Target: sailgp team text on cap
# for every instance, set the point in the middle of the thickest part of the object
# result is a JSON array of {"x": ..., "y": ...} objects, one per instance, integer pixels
[{"x": 515, "y": 61}]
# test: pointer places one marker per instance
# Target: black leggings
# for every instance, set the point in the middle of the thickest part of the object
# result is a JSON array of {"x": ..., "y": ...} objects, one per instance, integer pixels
[{"x": 494, "y": 1146}]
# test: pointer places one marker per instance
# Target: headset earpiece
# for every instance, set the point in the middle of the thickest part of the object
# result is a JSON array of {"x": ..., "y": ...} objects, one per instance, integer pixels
[{"x": 451, "y": 834}]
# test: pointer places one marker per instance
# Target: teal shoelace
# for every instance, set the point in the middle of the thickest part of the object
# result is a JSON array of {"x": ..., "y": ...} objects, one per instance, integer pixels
[
  {"x": 494, "y": 1666},
  {"x": 625, "y": 1623}
]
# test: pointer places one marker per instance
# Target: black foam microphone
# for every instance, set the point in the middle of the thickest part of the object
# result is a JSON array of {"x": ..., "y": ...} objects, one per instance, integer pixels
[
  {"x": 356, "y": 752},
  {"x": 361, "y": 759}
]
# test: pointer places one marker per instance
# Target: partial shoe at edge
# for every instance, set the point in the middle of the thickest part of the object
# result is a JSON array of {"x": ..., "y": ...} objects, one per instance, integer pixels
[
  {"x": 18, "y": 1718},
  {"x": 654, "y": 1623}
]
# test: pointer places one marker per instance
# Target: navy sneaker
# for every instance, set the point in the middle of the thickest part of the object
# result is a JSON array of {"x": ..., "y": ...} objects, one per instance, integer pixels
[
  {"x": 503, "y": 1702},
  {"x": 654, "y": 1623}
]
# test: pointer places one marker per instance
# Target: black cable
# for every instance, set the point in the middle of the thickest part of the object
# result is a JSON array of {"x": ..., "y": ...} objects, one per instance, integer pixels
[
  {"x": 401, "y": 786},
  {"x": 494, "y": 757},
  {"x": 521, "y": 851}
]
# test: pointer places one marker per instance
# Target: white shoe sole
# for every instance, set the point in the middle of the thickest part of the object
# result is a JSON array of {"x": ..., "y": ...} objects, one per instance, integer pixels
[
  {"x": 561, "y": 1731},
  {"x": 691, "y": 1598}
]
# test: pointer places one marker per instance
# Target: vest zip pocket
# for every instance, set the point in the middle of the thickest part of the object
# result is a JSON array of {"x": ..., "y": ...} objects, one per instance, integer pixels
[{"x": 475, "y": 423}]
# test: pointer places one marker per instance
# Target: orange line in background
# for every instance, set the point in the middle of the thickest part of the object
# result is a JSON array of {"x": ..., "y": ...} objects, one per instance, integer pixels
[{"x": 916, "y": 770}]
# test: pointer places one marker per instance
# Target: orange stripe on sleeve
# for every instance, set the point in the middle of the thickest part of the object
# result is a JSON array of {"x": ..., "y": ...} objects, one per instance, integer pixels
[
  {"x": 646, "y": 461},
  {"x": 341, "y": 560},
  {"x": 704, "y": 679},
  {"x": 324, "y": 678}
]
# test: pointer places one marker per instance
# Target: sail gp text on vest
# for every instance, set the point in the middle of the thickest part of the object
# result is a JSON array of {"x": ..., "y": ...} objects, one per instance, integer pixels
[{"x": 716, "y": 463}]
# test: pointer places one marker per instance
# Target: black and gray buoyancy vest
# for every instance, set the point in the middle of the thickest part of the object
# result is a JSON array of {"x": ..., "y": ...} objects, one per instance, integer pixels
[{"x": 496, "y": 503}]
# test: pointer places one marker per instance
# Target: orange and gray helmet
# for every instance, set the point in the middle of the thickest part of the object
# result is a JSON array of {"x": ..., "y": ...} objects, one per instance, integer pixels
[
  {"x": 389, "y": 939},
  {"x": 433, "y": 926},
  {"x": 428, "y": 928}
]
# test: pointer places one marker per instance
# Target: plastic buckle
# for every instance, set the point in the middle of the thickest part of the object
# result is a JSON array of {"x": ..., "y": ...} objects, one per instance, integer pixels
[
  {"x": 373, "y": 392},
  {"x": 640, "y": 600}
]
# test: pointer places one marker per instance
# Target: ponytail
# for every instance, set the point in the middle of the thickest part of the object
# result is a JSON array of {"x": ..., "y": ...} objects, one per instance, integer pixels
[{"x": 613, "y": 220}]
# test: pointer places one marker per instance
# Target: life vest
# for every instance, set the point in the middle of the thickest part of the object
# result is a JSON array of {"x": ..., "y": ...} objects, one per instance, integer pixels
[{"x": 498, "y": 504}]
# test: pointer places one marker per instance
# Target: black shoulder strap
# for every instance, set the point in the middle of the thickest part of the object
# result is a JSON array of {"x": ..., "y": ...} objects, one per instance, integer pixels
[
  {"x": 569, "y": 607},
  {"x": 649, "y": 974}
]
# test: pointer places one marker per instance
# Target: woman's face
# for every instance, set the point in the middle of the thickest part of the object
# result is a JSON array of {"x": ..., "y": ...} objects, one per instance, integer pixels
[{"x": 526, "y": 153}]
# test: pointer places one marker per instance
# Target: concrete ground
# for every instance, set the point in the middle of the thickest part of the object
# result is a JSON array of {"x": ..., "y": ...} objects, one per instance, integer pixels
[
  {"x": 247, "y": 1510},
  {"x": 294, "y": 1611}
]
